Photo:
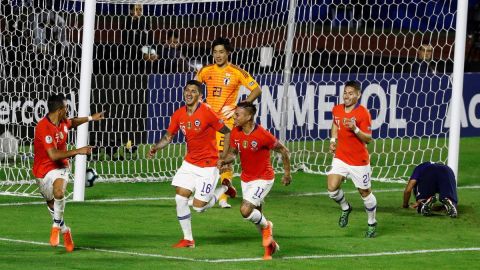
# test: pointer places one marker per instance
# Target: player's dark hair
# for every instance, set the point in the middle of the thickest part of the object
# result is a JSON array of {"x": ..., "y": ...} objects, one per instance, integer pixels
[
  {"x": 55, "y": 102},
  {"x": 223, "y": 41},
  {"x": 249, "y": 106},
  {"x": 171, "y": 33},
  {"x": 355, "y": 85},
  {"x": 194, "y": 82}
]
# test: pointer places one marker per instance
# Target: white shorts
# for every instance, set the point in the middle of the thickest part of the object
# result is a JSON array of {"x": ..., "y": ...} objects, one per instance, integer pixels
[
  {"x": 46, "y": 183},
  {"x": 360, "y": 175},
  {"x": 200, "y": 181},
  {"x": 255, "y": 191}
]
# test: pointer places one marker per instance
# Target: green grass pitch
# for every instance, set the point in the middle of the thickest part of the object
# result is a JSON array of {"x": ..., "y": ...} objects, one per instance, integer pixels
[{"x": 138, "y": 233}]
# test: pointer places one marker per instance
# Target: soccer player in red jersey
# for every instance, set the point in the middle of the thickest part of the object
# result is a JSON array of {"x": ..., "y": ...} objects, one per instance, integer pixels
[
  {"x": 50, "y": 163},
  {"x": 351, "y": 131},
  {"x": 253, "y": 143},
  {"x": 198, "y": 174}
]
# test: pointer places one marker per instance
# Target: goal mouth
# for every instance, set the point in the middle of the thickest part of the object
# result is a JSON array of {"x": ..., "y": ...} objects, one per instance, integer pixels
[{"x": 301, "y": 56}]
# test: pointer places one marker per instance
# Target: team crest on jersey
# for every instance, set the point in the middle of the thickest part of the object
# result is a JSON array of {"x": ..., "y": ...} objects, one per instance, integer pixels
[
  {"x": 345, "y": 120},
  {"x": 245, "y": 144},
  {"x": 48, "y": 139},
  {"x": 226, "y": 80},
  {"x": 197, "y": 123},
  {"x": 254, "y": 145}
]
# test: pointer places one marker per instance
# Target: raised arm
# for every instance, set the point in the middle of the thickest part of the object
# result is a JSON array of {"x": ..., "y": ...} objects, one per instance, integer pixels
[
  {"x": 363, "y": 136},
  {"x": 254, "y": 94}
]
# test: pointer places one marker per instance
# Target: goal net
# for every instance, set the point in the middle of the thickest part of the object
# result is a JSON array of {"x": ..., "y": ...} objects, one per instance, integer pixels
[{"x": 400, "y": 51}]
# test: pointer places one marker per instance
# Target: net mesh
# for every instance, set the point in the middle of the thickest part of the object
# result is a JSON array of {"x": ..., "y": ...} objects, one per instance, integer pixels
[{"x": 400, "y": 51}]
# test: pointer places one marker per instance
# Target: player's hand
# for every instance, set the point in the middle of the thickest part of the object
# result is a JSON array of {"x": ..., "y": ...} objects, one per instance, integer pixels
[
  {"x": 151, "y": 153},
  {"x": 333, "y": 147},
  {"x": 350, "y": 124},
  {"x": 286, "y": 180},
  {"x": 415, "y": 205},
  {"x": 226, "y": 168},
  {"x": 220, "y": 164},
  {"x": 86, "y": 150},
  {"x": 228, "y": 111},
  {"x": 98, "y": 116}
]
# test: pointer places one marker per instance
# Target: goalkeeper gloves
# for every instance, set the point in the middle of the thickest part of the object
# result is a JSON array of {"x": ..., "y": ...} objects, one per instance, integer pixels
[{"x": 228, "y": 111}]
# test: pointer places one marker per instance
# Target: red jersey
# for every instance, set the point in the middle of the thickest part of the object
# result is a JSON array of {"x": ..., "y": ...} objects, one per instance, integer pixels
[
  {"x": 254, "y": 150},
  {"x": 199, "y": 130},
  {"x": 47, "y": 136},
  {"x": 350, "y": 149}
]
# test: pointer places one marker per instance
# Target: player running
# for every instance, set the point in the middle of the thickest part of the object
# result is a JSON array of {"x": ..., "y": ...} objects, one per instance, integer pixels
[
  {"x": 198, "y": 174},
  {"x": 351, "y": 131},
  {"x": 253, "y": 143}
]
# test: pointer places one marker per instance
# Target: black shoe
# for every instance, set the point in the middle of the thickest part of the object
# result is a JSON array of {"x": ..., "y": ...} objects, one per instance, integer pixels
[
  {"x": 343, "y": 220},
  {"x": 371, "y": 231},
  {"x": 450, "y": 207},
  {"x": 427, "y": 206}
]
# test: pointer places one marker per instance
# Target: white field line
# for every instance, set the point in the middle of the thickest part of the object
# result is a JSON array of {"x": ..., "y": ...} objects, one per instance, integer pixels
[
  {"x": 306, "y": 194},
  {"x": 328, "y": 256}
]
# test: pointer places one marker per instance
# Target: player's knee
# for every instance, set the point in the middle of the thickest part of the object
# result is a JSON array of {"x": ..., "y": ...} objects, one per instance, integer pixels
[
  {"x": 370, "y": 199},
  {"x": 365, "y": 192},
  {"x": 180, "y": 200},
  {"x": 58, "y": 189},
  {"x": 58, "y": 193},
  {"x": 246, "y": 211}
]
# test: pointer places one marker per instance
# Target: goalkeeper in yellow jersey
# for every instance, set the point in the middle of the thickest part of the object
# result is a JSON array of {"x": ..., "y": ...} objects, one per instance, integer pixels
[{"x": 223, "y": 81}]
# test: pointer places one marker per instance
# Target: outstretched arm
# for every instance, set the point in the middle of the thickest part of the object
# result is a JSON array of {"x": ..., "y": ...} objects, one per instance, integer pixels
[
  {"x": 80, "y": 120},
  {"x": 55, "y": 154},
  {"x": 164, "y": 141},
  {"x": 280, "y": 148}
]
